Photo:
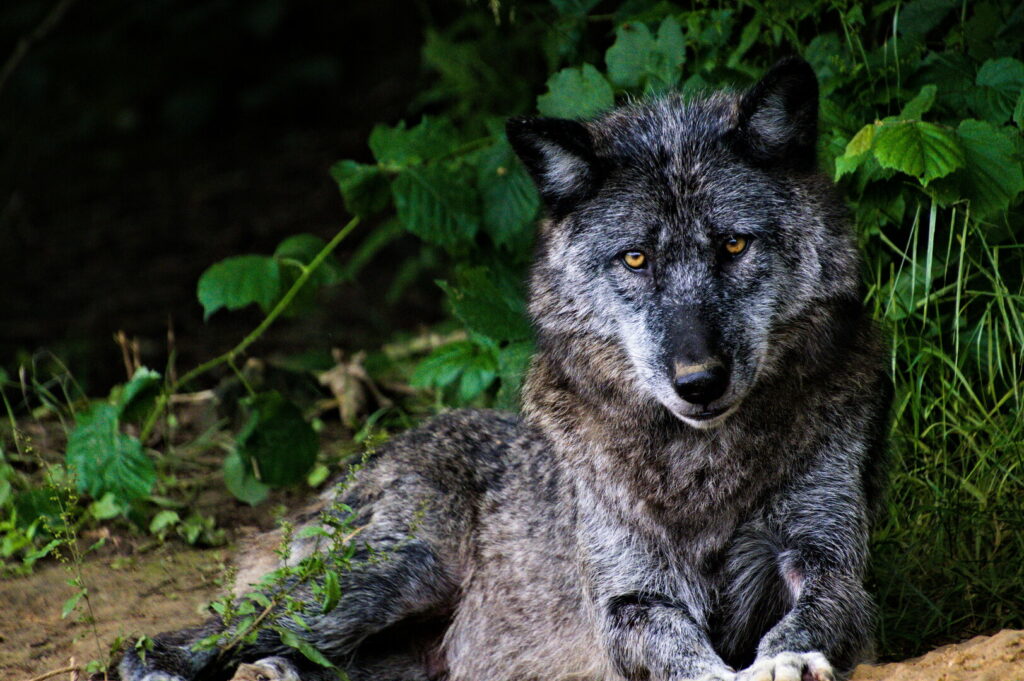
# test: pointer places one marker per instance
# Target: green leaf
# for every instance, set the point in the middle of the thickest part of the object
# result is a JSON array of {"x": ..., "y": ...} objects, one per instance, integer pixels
[
  {"x": 332, "y": 591},
  {"x": 365, "y": 188},
  {"x": 922, "y": 150},
  {"x": 917, "y": 18},
  {"x": 477, "y": 375},
  {"x": 438, "y": 204},
  {"x": 163, "y": 520},
  {"x": 290, "y": 639},
  {"x": 236, "y": 282},
  {"x": 138, "y": 394},
  {"x": 71, "y": 603},
  {"x": 999, "y": 86},
  {"x": 304, "y": 248},
  {"x": 576, "y": 93},
  {"x": 400, "y": 147},
  {"x": 513, "y": 361},
  {"x": 1018, "y": 111},
  {"x": 920, "y": 104},
  {"x": 276, "y": 441},
  {"x": 106, "y": 508},
  {"x": 851, "y": 159},
  {"x": 638, "y": 58},
  {"x": 488, "y": 302},
  {"x": 574, "y": 8},
  {"x": 508, "y": 198},
  {"x": 103, "y": 459},
  {"x": 627, "y": 57},
  {"x": 992, "y": 176},
  {"x": 442, "y": 366}
]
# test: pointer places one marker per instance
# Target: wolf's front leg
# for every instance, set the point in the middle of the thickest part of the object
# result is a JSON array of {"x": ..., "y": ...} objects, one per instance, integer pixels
[{"x": 649, "y": 637}]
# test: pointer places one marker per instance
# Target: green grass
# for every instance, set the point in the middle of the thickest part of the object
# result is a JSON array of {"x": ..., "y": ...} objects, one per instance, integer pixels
[{"x": 948, "y": 557}]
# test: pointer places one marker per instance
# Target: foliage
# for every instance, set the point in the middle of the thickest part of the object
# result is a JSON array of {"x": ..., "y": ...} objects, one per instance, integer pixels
[
  {"x": 921, "y": 114},
  {"x": 922, "y": 110}
]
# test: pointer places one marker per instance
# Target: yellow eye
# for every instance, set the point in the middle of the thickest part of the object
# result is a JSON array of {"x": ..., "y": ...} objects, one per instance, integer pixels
[
  {"x": 735, "y": 245},
  {"x": 635, "y": 260}
]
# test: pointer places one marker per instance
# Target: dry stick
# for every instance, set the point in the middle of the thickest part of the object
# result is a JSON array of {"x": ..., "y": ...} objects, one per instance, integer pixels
[
  {"x": 234, "y": 352},
  {"x": 55, "y": 672},
  {"x": 22, "y": 48}
]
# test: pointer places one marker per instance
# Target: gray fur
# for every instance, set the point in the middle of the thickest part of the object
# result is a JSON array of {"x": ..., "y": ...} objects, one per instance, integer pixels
[{"x": 616, "y": 530}]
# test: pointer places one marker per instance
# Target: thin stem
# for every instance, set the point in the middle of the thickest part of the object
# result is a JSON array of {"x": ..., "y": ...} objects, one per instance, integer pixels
[{"x": 230, "y": 355}]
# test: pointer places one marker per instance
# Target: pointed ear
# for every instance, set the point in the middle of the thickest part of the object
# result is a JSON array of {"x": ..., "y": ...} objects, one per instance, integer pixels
[
  {"x": 560, "y": 157},
  {"x": 778, "y": 117}
]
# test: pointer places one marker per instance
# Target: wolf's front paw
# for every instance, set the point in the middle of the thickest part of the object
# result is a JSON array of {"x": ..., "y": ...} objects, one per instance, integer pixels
[
  {"x": 789, "y": 667},
  {"x": 267, "y": 669}
]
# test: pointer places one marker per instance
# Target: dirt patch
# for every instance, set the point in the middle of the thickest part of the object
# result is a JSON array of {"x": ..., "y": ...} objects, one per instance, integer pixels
[
  {"x": 163, "y": 589},
  {"x": 983, "y": 658}
]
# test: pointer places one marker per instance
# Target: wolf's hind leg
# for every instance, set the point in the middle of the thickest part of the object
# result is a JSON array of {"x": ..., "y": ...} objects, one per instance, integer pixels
[{"x": 379, "y": 591}]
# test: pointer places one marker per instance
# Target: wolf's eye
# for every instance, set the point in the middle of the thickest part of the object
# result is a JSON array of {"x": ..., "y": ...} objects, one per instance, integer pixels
[
  {"x": 635, "y": 260},
  {"x": 734, "y": 245}
]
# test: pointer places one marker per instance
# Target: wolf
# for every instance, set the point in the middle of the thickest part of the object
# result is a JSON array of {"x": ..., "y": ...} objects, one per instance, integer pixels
[{"x": 689, "y": 488}]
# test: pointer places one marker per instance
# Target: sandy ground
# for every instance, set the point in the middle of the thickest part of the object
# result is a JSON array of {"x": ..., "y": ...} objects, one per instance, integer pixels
[
  {"x": 167, "y": 588},
  {"x": 163, "y": 589}
]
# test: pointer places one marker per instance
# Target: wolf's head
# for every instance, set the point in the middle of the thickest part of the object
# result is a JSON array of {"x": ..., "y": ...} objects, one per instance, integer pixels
[{"x": 693, "y": 237}]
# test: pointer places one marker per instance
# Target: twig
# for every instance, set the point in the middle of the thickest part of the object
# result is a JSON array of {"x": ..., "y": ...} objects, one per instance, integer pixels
[
  {"x": 22, "y": 48},
  {"x": 56, "y": 672}
]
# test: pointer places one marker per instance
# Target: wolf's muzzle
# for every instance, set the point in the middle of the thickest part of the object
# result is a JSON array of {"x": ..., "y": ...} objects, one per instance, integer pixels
[{"x": 701, "y": 383}]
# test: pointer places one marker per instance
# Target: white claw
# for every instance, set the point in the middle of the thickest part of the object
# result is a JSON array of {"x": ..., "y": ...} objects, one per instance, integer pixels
[{"x": 789, "y": 667}]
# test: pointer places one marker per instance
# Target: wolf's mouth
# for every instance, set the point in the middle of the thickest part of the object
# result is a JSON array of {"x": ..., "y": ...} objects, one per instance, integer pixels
[{"x": 708, "y": 414}]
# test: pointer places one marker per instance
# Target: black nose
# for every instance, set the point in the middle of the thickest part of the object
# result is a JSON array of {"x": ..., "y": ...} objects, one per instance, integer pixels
[{"x": 701, "y": 385}]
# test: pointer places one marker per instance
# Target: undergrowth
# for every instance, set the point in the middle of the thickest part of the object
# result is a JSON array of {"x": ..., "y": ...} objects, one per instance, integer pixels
[{"x": 921, "y": 115}]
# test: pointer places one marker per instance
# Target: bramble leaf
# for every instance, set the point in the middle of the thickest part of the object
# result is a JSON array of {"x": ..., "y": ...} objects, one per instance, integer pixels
[
  {"x": 398, "y": 146},
  {"x": 999, "y": 84},
  {"x": 365, "y": 188},
  {"x": 488, "y": 303},
  {"x": 576, "y": 93},
  {"x": 237, "y": 282},
  {"x": 992, "y": 176},
  {"x": 851, "y": 159},
  {"x": 138, "y": 394},
  {"x": 276, "y": 441},
  {"x": 638, "y": 58},
  {"x": 509, "y": 200},
  {"x": 437, "y": 204},
  {"x": 104, "y": 459},
  {"x": 920, "y": 104},
  {"x": 922, "y": 150}
]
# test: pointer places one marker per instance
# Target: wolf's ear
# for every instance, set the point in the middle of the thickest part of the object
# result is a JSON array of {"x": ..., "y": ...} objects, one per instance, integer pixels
[
  {"x": 778, "y": 117},
  {"x": 560, "y": 156}
]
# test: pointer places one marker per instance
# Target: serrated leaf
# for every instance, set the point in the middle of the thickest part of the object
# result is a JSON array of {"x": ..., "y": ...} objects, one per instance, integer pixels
[
  {"x": 138, "y": 394},
  {"x": 241, "y": 482},
  {"x": 639, "y": 58},
  {"x": 437, "y": 204},
  {"x": 103, "y": 459},
  {"x": 400, "y": 147},
  {"x": 922, "y": 150},
  {"x": 365, "y": 188},
  {"x": 488, "y": 303},
  {"x": 626, "y": 59},
  {"x": 999, "y": 85},
  {"x": 477, "y": 375},
  {"x": 234, "y": 283},
  {"x": 1018, "y": 111},
  {"x": 851, "y": 159},
  {"x": 442, "y": 366},
  {"x": 276, "y": 441},
  {"x": 576, "y": 93},
  {"x": 920, "y": 104},
  {"x": 992, "y": 176},
  {"x": 509, "y": 201},
  {"x": 920, "y": 16},
  {"x": 291, "y": 639},
  {"x": 304, "y": 248}
]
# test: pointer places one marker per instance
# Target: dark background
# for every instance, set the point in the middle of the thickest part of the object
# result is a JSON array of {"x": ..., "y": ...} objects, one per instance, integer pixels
[{"x": 143, "y": 141}]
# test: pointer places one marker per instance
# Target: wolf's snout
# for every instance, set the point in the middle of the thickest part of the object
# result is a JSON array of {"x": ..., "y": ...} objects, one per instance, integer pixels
[{"x": 701, "y": 383}]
